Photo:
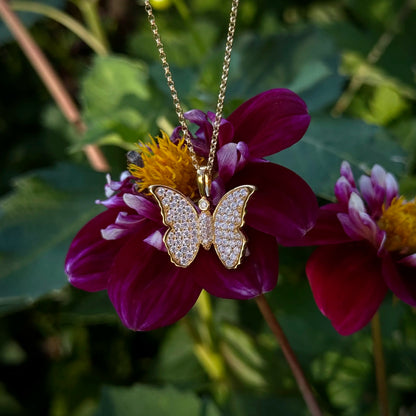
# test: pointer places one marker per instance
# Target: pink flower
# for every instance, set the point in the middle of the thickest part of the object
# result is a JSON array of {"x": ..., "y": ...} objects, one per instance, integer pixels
[
  {"x": 368, "y": 245},
  {"x": 121, "y": 250}
]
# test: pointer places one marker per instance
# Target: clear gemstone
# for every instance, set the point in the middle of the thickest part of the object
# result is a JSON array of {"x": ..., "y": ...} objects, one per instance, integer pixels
[{"x": 203, "y": 204}]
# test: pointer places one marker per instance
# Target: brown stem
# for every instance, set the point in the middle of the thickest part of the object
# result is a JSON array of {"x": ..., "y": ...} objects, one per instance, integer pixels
[
  {"x": 51, "y": 81},
  {"x": 290, "y": 356}
]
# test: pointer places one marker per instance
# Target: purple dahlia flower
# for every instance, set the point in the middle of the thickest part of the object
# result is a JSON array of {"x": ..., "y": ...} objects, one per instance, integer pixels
[
  {"x": 367, "y": 245},
  {"x": 121, "y": 250}
]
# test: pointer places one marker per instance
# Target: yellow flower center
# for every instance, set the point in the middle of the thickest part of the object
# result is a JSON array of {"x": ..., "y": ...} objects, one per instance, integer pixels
[
  {"x": 399, "y": 223},
  {"x": 165, "y": 163}
]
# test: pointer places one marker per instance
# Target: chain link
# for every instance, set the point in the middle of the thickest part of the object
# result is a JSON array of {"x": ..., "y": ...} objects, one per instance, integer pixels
[{"x": 221, "y": 94}]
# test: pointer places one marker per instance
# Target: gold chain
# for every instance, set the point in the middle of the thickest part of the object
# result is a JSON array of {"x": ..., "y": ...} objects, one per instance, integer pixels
[{"x": 221, "y": 94}]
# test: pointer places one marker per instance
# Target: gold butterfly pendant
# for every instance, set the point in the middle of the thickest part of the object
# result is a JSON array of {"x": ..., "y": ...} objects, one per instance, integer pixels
[{"x": 188, "y": 229}]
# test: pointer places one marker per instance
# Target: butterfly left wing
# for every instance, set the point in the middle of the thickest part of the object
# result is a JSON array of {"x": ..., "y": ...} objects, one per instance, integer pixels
[
  {"x": 229, "y": 241},
  {"x": 181, "y": 239}
]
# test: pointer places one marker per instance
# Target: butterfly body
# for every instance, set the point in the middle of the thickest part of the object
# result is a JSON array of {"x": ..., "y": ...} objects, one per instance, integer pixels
[{"x": 188, "y": 229}]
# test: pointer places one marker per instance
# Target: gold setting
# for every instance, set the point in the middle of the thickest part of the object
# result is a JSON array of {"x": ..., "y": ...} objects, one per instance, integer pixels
[{"x": 188, "y": 229}]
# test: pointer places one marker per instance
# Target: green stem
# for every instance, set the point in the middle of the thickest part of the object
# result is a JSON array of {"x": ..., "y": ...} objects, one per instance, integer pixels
[
  {"x": 89, "y": 10},
  {"x": 205, "y": 347},
  {"x": 204, "y": 309},
  {"x": 380, "y": 366},
  {"x": 290, "y": 356},
  {"x": 182, "y": 9},
  {"x": 63, "y": 19},
  {"x": 187, "y": 18}
]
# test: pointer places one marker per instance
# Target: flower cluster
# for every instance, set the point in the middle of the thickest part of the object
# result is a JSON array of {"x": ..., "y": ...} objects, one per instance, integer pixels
[
  {"x": 121, "y": 250},
  {"x": 367, "y": 245}
]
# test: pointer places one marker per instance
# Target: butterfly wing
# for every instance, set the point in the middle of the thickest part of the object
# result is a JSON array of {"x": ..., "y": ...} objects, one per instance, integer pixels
[
  {"x": 229, "y": 241},
  {"x": 181, "y": 238}
]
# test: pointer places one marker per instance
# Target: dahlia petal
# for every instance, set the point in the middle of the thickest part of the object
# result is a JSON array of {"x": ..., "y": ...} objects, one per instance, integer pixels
[
  {"x": 156, "y": 240},
  {"x": 343, "y": 190},
  {"x": 146, "y": 289},
  {"x": 89, "y": 257},
  {"x": 351, "y": 229},
  {"x": 370, "y": 228},
  {"x": 256, "y": 274},
  {"x": 203, "y": 135},
  {"x": 114, "y": 232},
  {"x": 231, "y": 158},
  {"x": 346, "y": 172},
  {"x": 114, "y": 190},
  {"x": 226, "y": 132},
  {"x": 217, "y": 190},
  {"x": 143, "y": 206},
  {"x": 327, "y": 230},
  {"x": 283, "y": 204},
  {"x": 269, "y": 122},
  {"x": 355, "y": 205},
  {"x": 347, "y": 284},
  {"x": 114, "y": 186},
  {"x": 368, "y": 192},
  {"x": 116, "y": 201},
  {"x": 392, "y": 189},
  {"x": 400, "y": 278},
  {"x": 227, "y": 158},
  {"x": 378, "y": 176},
  {"x": 124, "y": 224},
  {"x": 408, "y": 261}
]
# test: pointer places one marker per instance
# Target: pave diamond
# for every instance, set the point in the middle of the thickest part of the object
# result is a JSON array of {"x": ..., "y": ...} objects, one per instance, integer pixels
[
  {"x": 205, "y": 229},
  {"x": 187, "y": 231}
]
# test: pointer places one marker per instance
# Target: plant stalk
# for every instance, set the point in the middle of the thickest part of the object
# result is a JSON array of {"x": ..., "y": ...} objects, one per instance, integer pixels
[
  {"x": 290, "y": 356},
  {"x": 202, "y": 331},
  {"x": 51, "y": 81},
  {"x": 379, "y": 365},
  {"x": 62, "y": 18},
  {"x": 89, "y": 10}
]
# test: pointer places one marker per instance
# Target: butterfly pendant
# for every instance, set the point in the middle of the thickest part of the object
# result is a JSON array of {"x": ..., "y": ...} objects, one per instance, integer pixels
[{"x": 188, "y": 229}]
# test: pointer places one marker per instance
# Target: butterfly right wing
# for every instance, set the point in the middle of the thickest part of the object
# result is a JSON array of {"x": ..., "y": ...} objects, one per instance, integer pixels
[
  {"x": 229, "y": 241},
  {"x": 181, "y": 238}
]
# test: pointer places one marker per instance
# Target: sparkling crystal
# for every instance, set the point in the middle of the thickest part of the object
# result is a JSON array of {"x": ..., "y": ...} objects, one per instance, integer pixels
[{"x": 203, "y": 204}]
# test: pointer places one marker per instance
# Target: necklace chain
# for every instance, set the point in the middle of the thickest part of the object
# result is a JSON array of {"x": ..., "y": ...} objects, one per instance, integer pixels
[{"x": 222, "y": 89}]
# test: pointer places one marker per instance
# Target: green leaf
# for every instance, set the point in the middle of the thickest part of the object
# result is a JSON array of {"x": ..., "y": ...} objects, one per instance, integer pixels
[
  {"x": 248, "y": 405},
  {"x": 318, "y": 156},
  {"x": 37, "y": 222},
  {"x": 118, "y": 100},
  {"x": 8, "y": 404},
  {"x": 89, "y": 308},
  {"x": 300, "y": 317},
  {"x": 192, "y": 42},
  {"x": 305, "y": 62},
  {"x": 243, "y": 356},
  {"x": 143, "y": 400},
  {"x": 176, "y": 363}
]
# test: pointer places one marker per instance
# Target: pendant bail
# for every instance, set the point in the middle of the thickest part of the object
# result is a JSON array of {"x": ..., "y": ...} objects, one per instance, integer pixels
[{"x": 204, "y": 181}]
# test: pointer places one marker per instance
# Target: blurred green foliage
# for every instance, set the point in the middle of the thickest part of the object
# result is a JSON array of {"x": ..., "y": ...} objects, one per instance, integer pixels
[{"x": 64, "y": 352}]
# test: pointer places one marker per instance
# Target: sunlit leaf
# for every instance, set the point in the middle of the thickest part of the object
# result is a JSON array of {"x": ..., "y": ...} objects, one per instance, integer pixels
[{"x": 117, "y": 100}]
